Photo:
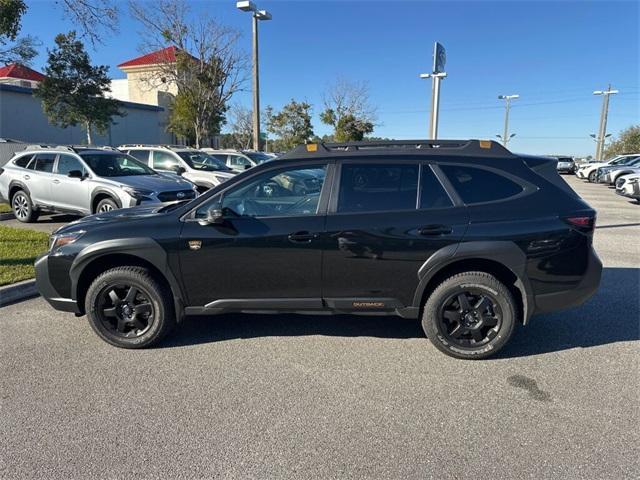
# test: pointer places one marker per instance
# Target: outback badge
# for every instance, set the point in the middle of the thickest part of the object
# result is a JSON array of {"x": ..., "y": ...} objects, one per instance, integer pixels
[{"x": 195, "y": 244}]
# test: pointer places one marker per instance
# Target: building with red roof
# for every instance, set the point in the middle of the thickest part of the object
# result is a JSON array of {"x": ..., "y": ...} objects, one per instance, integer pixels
[{"x": 20, "y": 75}]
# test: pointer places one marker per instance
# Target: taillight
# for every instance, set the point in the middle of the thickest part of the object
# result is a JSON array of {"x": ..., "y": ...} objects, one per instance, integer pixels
[{"x": 584, "y": 223}]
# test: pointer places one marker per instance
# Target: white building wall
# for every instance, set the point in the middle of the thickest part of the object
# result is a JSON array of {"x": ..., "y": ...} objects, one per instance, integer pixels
[{"x": 120, "y": 89}]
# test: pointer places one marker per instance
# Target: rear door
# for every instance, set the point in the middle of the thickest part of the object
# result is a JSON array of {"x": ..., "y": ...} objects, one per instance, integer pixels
[
  {"x": 385, "y": 220},
  {"x": 39, "y": 181}
]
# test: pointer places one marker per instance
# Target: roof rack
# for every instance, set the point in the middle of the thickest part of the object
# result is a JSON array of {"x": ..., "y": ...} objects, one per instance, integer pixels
[
  {"x": 152, "y": 145},
  {"x": 44, "y": 146},
  {"x": 483, "y": 148}
]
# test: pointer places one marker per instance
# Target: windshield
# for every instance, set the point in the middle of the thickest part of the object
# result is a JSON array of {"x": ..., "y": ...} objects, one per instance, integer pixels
[
  {"x": 258, "y": 157},
  {"x": 203, "y": 161},
  {"x": 115, "y": 165}
]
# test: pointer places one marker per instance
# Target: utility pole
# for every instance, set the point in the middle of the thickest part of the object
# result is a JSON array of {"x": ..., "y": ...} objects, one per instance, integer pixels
[
  {"x": 257, "y": 15},
  {"x": 437, "y": 75},
  {"x": 505, "y": 135},
  {"x": 604, "y": 112}
]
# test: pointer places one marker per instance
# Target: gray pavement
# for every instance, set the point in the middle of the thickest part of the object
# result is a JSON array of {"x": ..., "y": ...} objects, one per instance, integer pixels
[
  {"x": 46, "y": 223},
  {"x": 239, "y": 396}
]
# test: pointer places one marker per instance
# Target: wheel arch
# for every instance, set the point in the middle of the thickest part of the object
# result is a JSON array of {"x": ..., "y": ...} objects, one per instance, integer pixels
[
  {"x": 102, "y": 256},
  {"x": 100, "y": 194},
  {"x": 503, "y": 259},
  {"x": 16, "y": 185}
]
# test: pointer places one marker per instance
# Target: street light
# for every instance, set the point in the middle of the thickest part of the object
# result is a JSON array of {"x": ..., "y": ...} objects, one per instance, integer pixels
[
  {"x": 247, "y": 6},
  {"x": 506, "y": 137}
]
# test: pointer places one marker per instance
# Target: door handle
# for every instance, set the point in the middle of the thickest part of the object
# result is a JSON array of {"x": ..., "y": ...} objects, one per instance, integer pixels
[
  {"x": 434, "y": 230},
  {"x": 27, "y": 177},
  {"x": 56, "y": 181},
  {"x": 302, "y": 237}
]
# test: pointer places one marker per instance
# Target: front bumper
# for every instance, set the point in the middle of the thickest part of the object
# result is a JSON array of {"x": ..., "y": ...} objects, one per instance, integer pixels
[
  {"x": 581, "y": 174},
  {"x": 551, "y": 302},
  {"x": 48, "y": 291}
]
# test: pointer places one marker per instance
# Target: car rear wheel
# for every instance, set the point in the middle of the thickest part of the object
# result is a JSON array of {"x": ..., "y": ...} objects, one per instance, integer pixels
[
  {"x": 129, "y": 308},
  {"x": 470, "y": 315},
  {"x": 23, "y": 207},
  {"x": 106, "y": 205}
]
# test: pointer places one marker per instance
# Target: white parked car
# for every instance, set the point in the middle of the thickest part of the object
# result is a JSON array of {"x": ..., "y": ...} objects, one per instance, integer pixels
[
  {"x": 239, "y": 161},
  {"x": 589, "y": 170},
  {"x": 200, "y": 168}
]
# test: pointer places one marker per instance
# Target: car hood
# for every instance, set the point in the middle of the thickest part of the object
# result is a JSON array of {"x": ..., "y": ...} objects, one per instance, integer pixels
[
  {"x": 593, "y": 165},
  {"x": 156, "y": 183},
  {"x": 120, "y": 215}
]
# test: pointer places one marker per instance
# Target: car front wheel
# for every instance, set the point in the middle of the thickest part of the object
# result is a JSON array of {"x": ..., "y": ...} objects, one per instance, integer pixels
[
  {"x": 129, "y": 308},
  {"x": 106, "y": 205},
  {"x": 470, "y": 315},
  {"x": 592, "y": 176}
]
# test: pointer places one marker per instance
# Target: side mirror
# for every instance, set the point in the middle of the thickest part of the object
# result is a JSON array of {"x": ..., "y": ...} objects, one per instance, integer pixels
[
  {"x": 247, "y": 167},
  {"x": 180, "y": 170},
  {"x": 214, "y": 216},
  {"x": 75, "y": 174}
]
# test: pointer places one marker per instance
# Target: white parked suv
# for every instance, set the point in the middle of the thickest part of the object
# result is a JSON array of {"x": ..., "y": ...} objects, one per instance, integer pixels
[
  {"x": 239, "y": 161},
  {"x": 82, "y": 181},
  {"x": 204, "y": 170},
  {"x": 589, "y": 170}
]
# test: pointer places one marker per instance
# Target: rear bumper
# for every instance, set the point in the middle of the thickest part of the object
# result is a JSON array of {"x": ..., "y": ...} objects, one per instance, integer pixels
[
  {"x": 48, "y": 291},
  {"x": 552, "y": 302}
]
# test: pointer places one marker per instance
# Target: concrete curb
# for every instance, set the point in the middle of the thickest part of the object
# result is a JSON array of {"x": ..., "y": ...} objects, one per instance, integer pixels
[
  {"x": 7, "y": 216},
  {"x": 17, "y": 292}
]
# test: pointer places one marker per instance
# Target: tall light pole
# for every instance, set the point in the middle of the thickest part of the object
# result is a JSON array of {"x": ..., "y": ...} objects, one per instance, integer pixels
[
  {"x": 505, "y": 136},
  {"x": 602, "y": 131},
  {"x": 247, "y": 6},
  {"x": 437, "y": 75}
]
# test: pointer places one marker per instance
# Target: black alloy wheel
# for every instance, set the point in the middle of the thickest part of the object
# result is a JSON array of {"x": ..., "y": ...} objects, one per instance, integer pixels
[
  {"x": 470, "y": 318},
  {"x": 125, "y": 310}
]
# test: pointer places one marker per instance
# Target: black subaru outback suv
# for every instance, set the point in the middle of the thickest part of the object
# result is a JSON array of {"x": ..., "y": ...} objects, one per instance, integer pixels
[{"x": 463, "y": 235}]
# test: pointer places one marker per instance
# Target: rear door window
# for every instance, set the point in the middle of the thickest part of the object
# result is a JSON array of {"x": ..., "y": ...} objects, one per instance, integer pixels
[
  {"x": 142, "y": 155},
  {"x": 477, "y": 185},
  {"x": 378, "y": 187},
  {"x": 432, "y": 193},
  {"x": 44, "y": 162}
]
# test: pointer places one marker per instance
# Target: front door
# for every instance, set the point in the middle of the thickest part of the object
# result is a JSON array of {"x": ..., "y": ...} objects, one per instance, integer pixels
[
  {"x": 70, "y": 193},
  {"x": 387, "y": 220},
  {"x": 268, "y": 248}
]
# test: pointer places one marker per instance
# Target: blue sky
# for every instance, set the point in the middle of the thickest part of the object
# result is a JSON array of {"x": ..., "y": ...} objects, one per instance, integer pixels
[{"x": 553, "y": 54}]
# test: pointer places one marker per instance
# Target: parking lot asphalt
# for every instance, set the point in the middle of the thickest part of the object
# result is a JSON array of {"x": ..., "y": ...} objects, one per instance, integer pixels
[{"x": 277, "y": 396}]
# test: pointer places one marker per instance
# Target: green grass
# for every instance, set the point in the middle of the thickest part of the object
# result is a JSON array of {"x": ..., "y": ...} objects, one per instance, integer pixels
[
  {"x": 18, "y": 250},
  {"x": 5, "y": 208}
]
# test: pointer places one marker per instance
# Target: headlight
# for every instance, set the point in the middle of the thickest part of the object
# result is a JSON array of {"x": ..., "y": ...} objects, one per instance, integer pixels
[
  {"x": 633, "y": 180},
  {"x": 57, "y": 241},
  {"x": 138, "y": 193}
]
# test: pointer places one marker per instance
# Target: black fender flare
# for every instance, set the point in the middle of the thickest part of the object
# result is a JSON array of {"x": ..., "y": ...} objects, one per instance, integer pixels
[
  {"x": 142, "y": 247},
  {"x": 506, "y": 253},
  {"x": 105, "y": 191},
  {"x": 18, "y": 183}
]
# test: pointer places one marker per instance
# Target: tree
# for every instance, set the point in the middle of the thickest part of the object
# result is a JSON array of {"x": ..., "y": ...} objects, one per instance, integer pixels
[
  {"x": 12, "y": 48},
  {"x": 73, "y": 91},
  {"x": 348, "y": 111},
  {"x": 241, "y": 126},
  {"x": 92, "y": 17},
  {"x": 207, "y": 70},
  {"x": 292, "y": 125},
  {"x": 628, "y": 141}
]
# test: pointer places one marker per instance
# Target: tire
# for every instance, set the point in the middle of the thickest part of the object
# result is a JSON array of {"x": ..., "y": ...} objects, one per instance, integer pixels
[
  {"x": 106, "y": 205},
  {"x": 23, "y": 208},
  {"x": 109, "y": 302},
  {"x": 458, "y": 334},
  {"x": 592, "y": 176}
]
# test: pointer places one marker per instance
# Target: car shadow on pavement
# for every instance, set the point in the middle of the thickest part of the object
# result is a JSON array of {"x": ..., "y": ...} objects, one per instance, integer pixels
[{"x": 611, "y": 315}]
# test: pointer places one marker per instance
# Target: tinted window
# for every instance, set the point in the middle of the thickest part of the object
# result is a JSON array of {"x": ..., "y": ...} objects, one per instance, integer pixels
[
  {"x": 290, "y": 192},
  {"x": 202, "y": 161},
  {"x": 165, "y": 161},
  {"x": 475, "y": 185},
  {"x": 432, "y": 194},
  {"x": 23, "y": 161},
  {"x": 67, "y": 163},
  {"x": 378, "y": 187},
  {"x": 115, "y": 165},
  {"x": 238, "y": 161},
  {"x": 142, "y": 155},
  {"x": 44, "y": 162}
]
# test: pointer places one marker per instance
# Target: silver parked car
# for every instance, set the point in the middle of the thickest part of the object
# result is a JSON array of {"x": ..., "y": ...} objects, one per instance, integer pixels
[{"x": 82, "y": 181}]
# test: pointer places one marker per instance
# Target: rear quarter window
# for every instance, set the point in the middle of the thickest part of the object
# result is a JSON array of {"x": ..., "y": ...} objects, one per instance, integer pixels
[
  {"x": 23, "y": 161},
  {"x": 477, "y": 185}
]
